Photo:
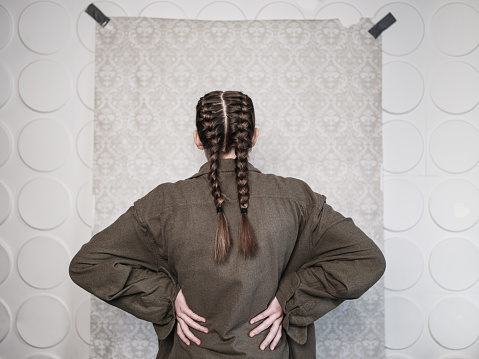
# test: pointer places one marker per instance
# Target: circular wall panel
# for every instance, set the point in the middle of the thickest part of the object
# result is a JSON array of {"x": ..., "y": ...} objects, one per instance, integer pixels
[
  {"x": 5, "y": 145},
  {"x": 454, "y": 323},
  {"x": 5, "y": 321},
  {"x": 454, "y": 205},
  {"x": 221, "y": 10},
  {"x": 5, "y": 203},
  {"x": 347, "y": 14},
  {"x": 86, "y": 25},
  {"x": 164, "y": 10},
  {"x": 44, "y": 145},
  {"x": 86, "y": 85},
  {"x": 83, "y": 321},
  {"x": 7, "y": 85},
  {"x": 454, "y": 264},
  {"x": 44, "y": 203},
  {"x": 44, "y": 27},
  {"x": 44, "y": 86},
  {"x": 455, "y": 87},
  {"x": 399, "y": 276},
  {"x": 5, "y": 262},
  {"x": 85, "y": 204},
  {"x": 403, "y": 87},
  {"x": 397, "y": 356},
  {"x": 454, "y": 146},
  {"x": 406, "y": 34},
  {"x": 43, "y": 321},
  {"x": 403, "y": 322},
  {"x": 85, "y": 144},
  {"x": 6, "y": 27},
  {"x": 43, "y": 356},
  {"x": 403, "y": 146},
  {"x": 279, "y": 10},
  {"x": 45, "y": 271},
  {"x": 403, "y": 205},
  {"x": 455, "y": 29}
]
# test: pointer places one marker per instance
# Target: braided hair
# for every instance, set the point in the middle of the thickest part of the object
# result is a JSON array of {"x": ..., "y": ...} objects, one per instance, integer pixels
[{"x": 225, "y": 121}]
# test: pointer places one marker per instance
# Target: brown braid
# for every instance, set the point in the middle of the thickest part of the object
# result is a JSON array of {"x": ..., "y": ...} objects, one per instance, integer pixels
[
  {"x": 225, "y": 120},
  {"x": 243, "y": 134},
  {"x": 211, "y": 134}
]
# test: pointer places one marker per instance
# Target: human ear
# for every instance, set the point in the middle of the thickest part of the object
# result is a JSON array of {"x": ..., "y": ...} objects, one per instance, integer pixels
[
  {"x": 198, "y": 142},
  {"x": 255, "y": 136}
]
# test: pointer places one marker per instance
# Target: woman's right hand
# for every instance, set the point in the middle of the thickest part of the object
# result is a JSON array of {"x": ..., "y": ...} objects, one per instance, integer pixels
[
  {"x": 187, "y": 318},
  {"x": 272, "y": 317}
]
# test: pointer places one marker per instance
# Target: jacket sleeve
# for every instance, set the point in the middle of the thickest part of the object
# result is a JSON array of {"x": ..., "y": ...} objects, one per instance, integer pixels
[
  {"x": 120, "y": 265},
  {"x": 344, "y": 264}
]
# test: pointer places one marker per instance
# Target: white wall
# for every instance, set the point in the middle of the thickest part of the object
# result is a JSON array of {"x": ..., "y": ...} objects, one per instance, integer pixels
[{"x": 431, "y": 151}]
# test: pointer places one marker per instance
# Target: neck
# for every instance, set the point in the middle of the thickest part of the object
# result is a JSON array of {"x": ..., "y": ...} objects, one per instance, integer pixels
[{"x": 230, "y": 154}]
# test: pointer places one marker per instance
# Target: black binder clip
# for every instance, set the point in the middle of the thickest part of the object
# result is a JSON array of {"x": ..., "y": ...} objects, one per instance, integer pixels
[
  {"x": 96, "y": 14},
  {"x": 382, "y": 25}
]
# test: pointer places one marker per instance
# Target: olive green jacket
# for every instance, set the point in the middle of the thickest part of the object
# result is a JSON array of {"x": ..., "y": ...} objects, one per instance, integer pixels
[{"x": 310, "y": 257}]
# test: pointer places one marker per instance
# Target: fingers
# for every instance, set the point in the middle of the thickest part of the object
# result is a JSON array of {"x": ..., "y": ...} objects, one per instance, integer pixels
[
  {"x": 276, "y": 339},
  {"x": 271, "y": 314},
  {"x": 187, "y": 334},
  {"x": 188, "y": 312},
  {"x": 263, "y": 326},
  {"x": 182, "y": 308},
  {"x": 187, "y": 319},
  {"x": 261, "y": 316},
  {"x": 273, "y": 307},
  {"x": 273, "y": 336},
  {"x": 272, "y": 317},
  {"x": 182, "y": 335},
  {"x": 191, "y": 323}
]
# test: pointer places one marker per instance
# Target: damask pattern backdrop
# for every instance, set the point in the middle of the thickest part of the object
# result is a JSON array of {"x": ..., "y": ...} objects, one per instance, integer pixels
[
  {"x": 430, "y": 97},
  {"x": 316, "y": 86}
]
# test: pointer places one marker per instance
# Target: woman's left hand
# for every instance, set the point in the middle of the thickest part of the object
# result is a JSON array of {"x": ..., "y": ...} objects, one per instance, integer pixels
[
  {"x": 273, "y": 317},
  {"x": 187, "y": 318}
]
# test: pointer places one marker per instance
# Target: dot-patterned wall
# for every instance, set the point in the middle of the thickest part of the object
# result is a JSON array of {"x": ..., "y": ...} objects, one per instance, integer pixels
[{"x": 431, "y": 172}]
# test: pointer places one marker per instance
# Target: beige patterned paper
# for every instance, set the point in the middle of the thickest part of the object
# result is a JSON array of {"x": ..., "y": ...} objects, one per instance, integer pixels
[{"x": 316, "y": 86}]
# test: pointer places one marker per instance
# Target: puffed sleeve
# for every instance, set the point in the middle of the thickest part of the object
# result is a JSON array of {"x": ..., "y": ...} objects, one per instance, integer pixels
[
  {"x": 344, "y": 263},
  {"x": 120, "y": 265}
]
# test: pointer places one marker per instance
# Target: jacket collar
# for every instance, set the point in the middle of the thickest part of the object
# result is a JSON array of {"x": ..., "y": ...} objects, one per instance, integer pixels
[{"x": 226, "y": 165}]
